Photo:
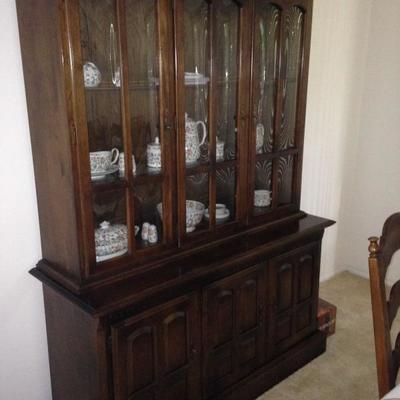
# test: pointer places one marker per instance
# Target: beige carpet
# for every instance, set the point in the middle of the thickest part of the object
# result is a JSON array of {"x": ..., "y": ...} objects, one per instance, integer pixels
[{"x": 347, "y": 370}]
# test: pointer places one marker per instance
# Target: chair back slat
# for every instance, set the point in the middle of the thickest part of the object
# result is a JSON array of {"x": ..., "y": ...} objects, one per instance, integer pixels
[
  {"x": 394, "y": 302},
  {"x": 384, "y": 311},
  {"x": 390, "y": 240}
]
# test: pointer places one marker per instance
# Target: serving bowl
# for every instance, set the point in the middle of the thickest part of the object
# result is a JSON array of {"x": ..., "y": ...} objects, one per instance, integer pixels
[
  {"x": 111, "y": 240},
  {"x": 194, "y": 214}
]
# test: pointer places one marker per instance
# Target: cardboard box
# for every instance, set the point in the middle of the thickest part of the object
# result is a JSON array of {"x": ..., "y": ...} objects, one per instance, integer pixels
[{"x": 326, "y": 317}]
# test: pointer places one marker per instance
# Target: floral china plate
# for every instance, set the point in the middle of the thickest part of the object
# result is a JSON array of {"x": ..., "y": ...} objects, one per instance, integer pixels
[{"x": 102, "y": 174}]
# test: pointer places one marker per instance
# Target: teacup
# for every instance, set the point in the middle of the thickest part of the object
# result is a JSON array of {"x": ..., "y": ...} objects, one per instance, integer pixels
[
  {"x": 121, "y": 164},
  {"x": 220, "y": 210},
  {"x": 101, "y": 161},
  {"x": 262, "y": 198}
]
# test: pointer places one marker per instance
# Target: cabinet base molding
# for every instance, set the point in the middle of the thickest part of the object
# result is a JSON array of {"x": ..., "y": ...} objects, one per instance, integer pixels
[{"x": 276, "y": 371}]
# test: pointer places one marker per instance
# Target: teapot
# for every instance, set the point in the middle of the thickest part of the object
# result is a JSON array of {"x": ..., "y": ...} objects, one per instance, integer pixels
[{"x": 192, "y": 143}]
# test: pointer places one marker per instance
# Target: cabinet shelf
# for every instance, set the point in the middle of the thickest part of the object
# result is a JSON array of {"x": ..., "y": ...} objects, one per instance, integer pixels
[
  {"x": 200, "y": 168},
  {"x": 275, "y": 154},
  {"x": 109, "y": 183},
  {"x": 155, "y": 84},
  {"x": 147, "y": 178},
  {"x": 117, "y": 183},
  {"x": 109, "y": 87}
]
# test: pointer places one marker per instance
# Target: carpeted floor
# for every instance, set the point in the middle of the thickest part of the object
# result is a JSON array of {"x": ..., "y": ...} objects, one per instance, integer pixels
[{"x": 347, "y": 370}]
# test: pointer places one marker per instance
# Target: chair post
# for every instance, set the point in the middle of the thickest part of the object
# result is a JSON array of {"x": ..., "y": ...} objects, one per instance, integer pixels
[{"x": 383, "y": 349}]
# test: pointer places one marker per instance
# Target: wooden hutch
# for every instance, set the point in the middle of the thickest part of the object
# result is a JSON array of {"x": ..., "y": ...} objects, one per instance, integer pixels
[{"x": 219, "y": 308}]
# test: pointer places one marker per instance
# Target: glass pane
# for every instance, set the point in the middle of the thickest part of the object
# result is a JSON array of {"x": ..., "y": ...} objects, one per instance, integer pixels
[
  {"x": 196, "y": 202},
  {"x": 226, "y": 195},
  {"x": 148, "y": 214},
  {"x": 109, "y": 217},
  {"x": 225, "y": 71},
  {"x": 98, "y": 26},
  {"x": 293, "y": 54},
  {"x": 144, "y": 84},
  {"x": 196, "y": 59},
  {"x": 285, "y": 170},
  {"x": 266, "y": 63},
  {"x": 263, "y": 187}
]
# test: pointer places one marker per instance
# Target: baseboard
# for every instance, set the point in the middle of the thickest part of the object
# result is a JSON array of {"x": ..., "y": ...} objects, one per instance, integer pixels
[
  {"x": 360, "y": 273},
  {"x": 277, "y": 370}
]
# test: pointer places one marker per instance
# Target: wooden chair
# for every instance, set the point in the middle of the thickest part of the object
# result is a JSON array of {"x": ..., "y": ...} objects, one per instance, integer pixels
[{"x": 384, "y": 311}]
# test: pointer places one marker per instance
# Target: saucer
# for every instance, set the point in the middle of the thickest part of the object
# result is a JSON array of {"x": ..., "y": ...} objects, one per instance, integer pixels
[
  {"x": 102, "y": 174},
  {"x": 219, "y": 220},
  {"x": 112, "y": 255}
]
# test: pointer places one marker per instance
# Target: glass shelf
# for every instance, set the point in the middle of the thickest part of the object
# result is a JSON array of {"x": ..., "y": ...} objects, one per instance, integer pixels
[
  {"x": 198, "y": 168},
  {"x": 114, "y": 182}
]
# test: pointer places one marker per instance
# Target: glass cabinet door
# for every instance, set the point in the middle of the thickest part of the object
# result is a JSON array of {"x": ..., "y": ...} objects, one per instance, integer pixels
[
  {"x": 278, "y": 57},
  {"x": 207, "y": 34},
  {"x": 124, "y": 87}
]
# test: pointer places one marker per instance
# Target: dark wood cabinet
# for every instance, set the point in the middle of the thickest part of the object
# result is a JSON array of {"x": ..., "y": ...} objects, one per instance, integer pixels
[
  {"x": 156, "y": 354},
  {"x": 293, "y": 296},
  {"x": 233, "y": 328},
  {"x": 167, "y": 138}
]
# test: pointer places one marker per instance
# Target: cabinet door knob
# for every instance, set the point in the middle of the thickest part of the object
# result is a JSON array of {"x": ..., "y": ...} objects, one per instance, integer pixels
[{"x": 193, "y": 353}]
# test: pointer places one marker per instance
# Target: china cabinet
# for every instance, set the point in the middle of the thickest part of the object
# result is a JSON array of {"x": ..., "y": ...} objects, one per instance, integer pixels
[{"x": 167, "y": 139}]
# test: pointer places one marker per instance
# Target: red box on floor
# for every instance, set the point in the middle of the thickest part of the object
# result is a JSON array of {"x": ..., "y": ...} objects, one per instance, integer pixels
[{"x": 326, "y": 317}]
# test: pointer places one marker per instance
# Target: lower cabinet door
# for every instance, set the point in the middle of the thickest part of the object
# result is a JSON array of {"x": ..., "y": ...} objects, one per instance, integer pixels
[
  {"x": 156, "y": 354},
  {"x": 233, "y": 328},
  {"x": 293, "y": 291}
]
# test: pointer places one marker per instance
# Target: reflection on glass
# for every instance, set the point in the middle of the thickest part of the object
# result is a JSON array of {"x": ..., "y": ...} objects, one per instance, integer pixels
[
  {"x": 263, "y": 187},
  {"x": 266, "y": 43},
  {"x": 285, "y": 168},
  {"x": 293, "y": 31},
  {"x": 148, "y": 213},
  {"x": 196, "y": 202},
  {"x": 225, "y": 71},
  {"x": 103, "y": 101},
  {"x": 196, "y": 64},
  {"x": 109, "y": 218},
  {"x": 226, "y": 195},
  {"x": 144, "y": 82}
]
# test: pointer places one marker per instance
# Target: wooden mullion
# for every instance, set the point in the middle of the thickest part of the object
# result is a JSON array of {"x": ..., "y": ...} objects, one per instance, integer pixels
[
  {"x": 278, "y": 107},
  {"x": 180, "y": 115},
  {"x": 212, "y": 123},
  {"x": 165, "y": 60},
  {"x": 244, "y": 87},
  {"x": 126, "y": 122},
  {"x": 80, "y": 133},
  {"x": 302, "y": 100},
  {"x": 251, "y": 172}
]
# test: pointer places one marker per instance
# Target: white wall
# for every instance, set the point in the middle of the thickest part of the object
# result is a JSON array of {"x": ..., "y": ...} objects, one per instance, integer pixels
[
  {"x": 24, "y": 372},
  {"x": 339, "y": 108},
  {"x": 338, "y": 48},
  {"x": 372, "y": 185}
]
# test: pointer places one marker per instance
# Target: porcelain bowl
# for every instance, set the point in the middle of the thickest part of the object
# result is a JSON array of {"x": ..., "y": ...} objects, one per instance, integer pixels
[{"x": 194, "y": 213}]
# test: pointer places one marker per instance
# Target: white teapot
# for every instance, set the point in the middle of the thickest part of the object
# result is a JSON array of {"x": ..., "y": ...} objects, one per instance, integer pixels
[{"x": 192, "y": 143}]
